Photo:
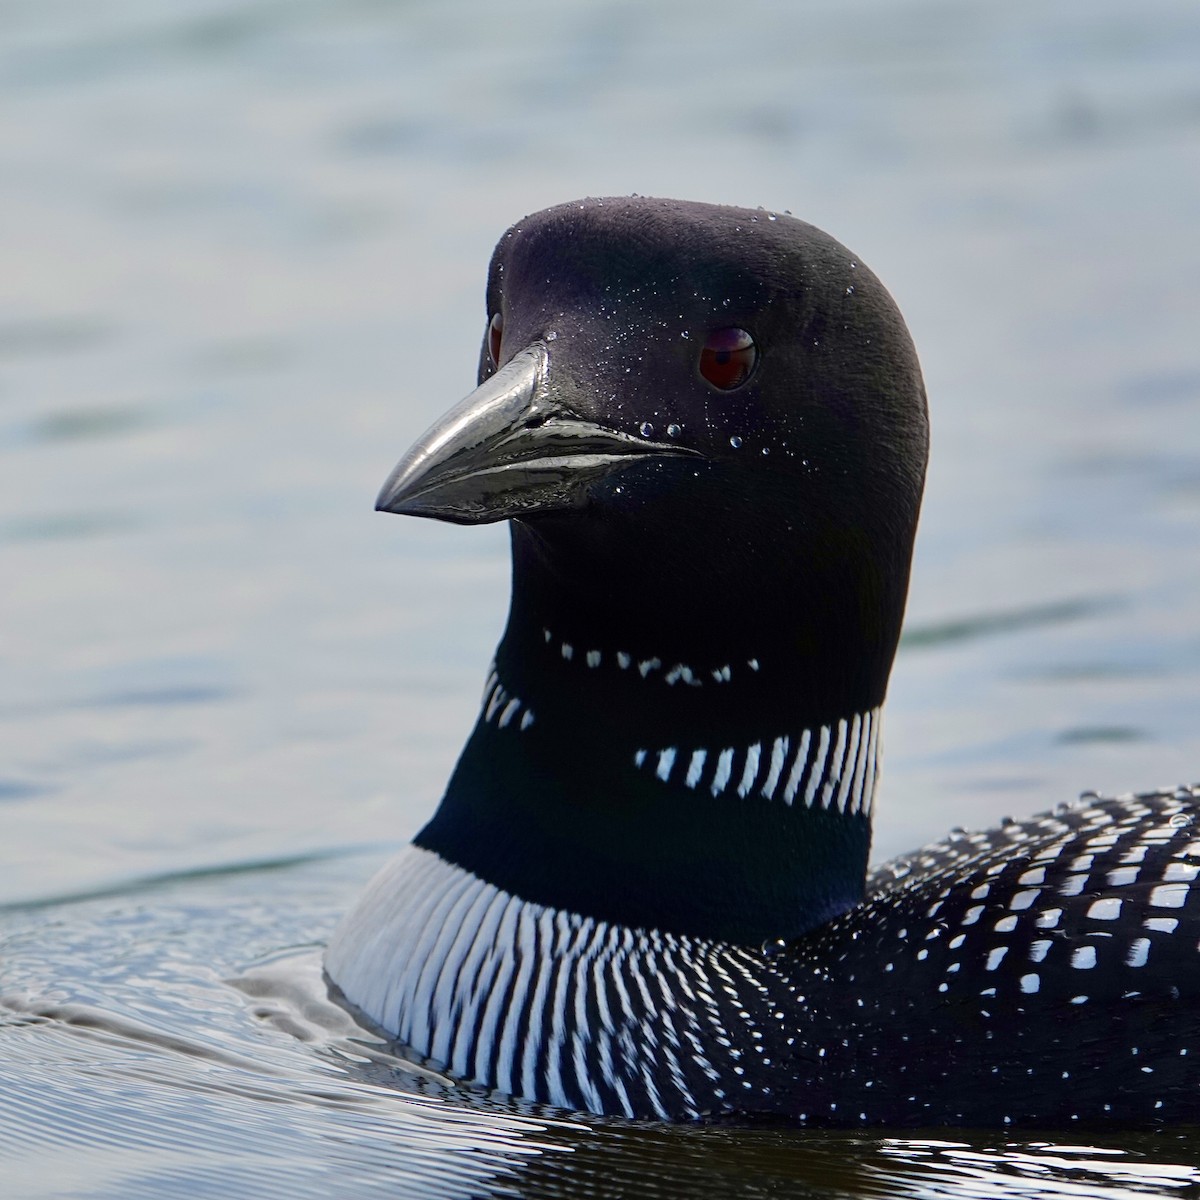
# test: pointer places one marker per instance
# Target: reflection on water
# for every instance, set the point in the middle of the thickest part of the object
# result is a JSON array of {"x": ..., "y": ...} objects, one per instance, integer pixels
[
  {"x": 971, "y": 628},
  {"x": 83, "y": 424},
  {"x": 245, "y": 266}
]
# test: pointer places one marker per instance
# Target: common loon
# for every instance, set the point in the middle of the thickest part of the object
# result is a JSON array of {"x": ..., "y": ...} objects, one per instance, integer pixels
[{"x": 645, "y": 891}]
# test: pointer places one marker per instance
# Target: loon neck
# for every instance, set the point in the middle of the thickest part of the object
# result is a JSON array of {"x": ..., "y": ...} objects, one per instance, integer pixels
[{"x": 712, "y": 781}]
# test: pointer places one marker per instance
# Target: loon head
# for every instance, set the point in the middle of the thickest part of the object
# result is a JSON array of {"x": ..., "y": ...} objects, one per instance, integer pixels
[{"x": 707, "y": 427}]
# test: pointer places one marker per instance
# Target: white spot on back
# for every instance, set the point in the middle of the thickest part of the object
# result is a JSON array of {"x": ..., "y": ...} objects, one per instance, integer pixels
[
  {"x": 1139, "y": 951},
  {"x": 1180, "y": 871},
  {"x": 1108, "y": 908},
  {"x": 1161, "y": 924},
  {"x": 1169, "y": 895}
]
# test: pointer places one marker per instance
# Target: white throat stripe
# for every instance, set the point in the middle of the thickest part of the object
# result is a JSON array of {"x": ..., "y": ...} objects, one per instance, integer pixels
[{"x": 834, "y": 766}]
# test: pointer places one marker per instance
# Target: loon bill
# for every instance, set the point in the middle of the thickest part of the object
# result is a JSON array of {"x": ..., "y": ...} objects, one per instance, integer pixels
[{"x": 645, "y": 890}]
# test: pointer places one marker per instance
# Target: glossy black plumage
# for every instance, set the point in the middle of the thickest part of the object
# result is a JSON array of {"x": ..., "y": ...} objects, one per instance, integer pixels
[
  {"x": 645, "y": 892},
  {"x": 1042, "y": 972}
]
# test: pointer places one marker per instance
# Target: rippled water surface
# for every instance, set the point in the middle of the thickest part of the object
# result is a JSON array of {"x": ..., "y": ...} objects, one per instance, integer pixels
[{"x": 242, "y": 266}]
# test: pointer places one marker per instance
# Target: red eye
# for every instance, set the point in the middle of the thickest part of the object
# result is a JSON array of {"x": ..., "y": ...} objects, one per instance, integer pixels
[
  {"x": 495, "y": 335},
  {"x": 728, "y": 358}
]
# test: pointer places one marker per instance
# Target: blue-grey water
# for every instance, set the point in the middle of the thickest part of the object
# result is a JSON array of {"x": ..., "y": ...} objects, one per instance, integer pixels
[{"x": 242, "y": 248}]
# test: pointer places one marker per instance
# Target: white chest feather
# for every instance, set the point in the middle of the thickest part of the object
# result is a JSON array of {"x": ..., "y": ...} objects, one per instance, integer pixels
[{"x": 534, "y": 1001}]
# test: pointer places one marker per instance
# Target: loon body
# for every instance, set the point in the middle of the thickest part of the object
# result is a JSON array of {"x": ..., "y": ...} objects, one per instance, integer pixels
[{"x": 645, "y": 891}]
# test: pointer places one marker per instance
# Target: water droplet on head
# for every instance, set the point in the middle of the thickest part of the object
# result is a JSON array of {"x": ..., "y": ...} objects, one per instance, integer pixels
[
  {"x": 735, "y": 442},
  {"x": 772, "y": 217},
  {"x": 674, "y": 430},
  {"x": 647, "y": 430},
  {"x": 683, "y": 333},
  {"x": 1181, "y": 821},
  {"x": 850, "y": 290},
  {"x": 766, "y": 449}
]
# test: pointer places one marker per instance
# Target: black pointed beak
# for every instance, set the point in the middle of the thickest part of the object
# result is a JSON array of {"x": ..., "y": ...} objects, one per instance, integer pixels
[{"x": 512, "y": 448}]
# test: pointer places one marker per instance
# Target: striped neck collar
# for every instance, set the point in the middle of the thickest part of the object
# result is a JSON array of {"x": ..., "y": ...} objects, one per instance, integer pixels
[
  {"x": 655, "y": 792},
  {"x": 833, "y": 767},
  {"x": 541, "y": 1003}
]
